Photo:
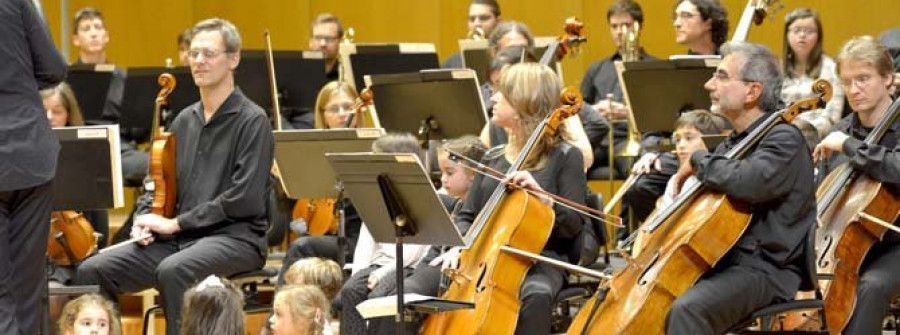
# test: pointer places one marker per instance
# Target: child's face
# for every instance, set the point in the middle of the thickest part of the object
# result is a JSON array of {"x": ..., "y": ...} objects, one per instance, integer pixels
[
  {"x": 92, "y": 319},
  {"x": 687, "y": 140},
  {"x": 283, "y": 322},
  {"x": 454, "y": 178}
]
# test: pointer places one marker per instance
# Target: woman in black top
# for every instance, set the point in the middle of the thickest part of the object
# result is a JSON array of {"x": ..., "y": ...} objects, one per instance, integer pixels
[{"x": 527, "y": 93}]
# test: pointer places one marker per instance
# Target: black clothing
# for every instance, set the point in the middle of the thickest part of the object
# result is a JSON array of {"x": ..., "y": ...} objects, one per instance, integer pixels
[
  {"x": 877, "y": 280},
  {"x": 28, "y": 154},
  {"x": 223, "y": 177},
  {"x": 562, "y": 175},
  {"x": 776, "y": 180}
]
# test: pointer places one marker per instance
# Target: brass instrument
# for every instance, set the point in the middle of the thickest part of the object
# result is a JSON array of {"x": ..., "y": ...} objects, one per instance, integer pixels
[
  {"x": 476, "y": 34},
  {"x": 347, "y": 40},
  {"x": 631, "y": 52}
]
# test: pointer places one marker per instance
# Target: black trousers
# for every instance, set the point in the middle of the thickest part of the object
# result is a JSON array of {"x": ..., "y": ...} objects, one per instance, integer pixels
[
  {"x": 879, "y": 282},
  {"x": 640, "y": 200},
  {"x": 24, "y": 225},
  {"x": 424, "y": 280},
  {"x": 170, "y": 267},
  {"x": 355, "y": 291},
  {"x": 721, "y": 299}
]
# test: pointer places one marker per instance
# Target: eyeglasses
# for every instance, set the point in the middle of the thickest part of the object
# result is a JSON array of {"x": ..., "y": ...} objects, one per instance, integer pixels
[
  {"x": 335, "y": 109},
  {"x": 805, "y": 31},
  {"x": 480, "y": 18},
  {"x": 207, "y": 53},
  {"x": 326, "y": 39},
  {"x": 684, "y": 16},
  {"x": 722, "y": 76},
  {"x": 859, "y": 82}
]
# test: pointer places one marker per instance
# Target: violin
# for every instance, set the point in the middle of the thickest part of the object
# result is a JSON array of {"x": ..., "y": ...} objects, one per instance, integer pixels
[
  {"x": 71, "y": 238},
  {"x": 854, "y": 211},
  {"x": 683, "y": 241},
  {"x": 162, "y": 154},
  {"x": 486, "y": 276}
]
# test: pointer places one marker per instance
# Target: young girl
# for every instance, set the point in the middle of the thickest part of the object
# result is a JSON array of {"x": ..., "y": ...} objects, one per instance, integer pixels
[
  {"x": 300, "y": 309},
  {"x": 90, "y": 314},
  {"x": 804, "y": 62},
  {"x": 324, "y": 273},
  {"x": 62, "y": 108},
  {"x": 214, "y": 306}
]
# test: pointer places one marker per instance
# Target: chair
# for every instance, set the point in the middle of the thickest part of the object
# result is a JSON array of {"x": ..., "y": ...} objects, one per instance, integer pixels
[{"x": 809, "y": 282}]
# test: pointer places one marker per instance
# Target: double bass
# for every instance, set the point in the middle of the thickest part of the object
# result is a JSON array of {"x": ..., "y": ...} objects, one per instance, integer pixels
[
  {"x": 684, "y": 241},
  {"x": 854, "y": 211}
]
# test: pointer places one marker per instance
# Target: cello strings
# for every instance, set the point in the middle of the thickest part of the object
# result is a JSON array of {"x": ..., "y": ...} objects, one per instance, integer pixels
[{"x": 486, "y": 171}]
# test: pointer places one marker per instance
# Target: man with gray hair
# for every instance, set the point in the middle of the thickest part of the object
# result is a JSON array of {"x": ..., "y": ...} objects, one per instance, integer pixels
[
  {"x": 774, "y": 179},
  {"x": 224, "y": 152}
]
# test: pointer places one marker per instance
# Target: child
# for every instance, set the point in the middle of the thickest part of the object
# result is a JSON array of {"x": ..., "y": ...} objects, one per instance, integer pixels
[
  {"x": 321, "y": 272},
  {"x": 215, "y": 306},
  {"x": 90, "y": 314},
  {"x": 300, "y": 309}
]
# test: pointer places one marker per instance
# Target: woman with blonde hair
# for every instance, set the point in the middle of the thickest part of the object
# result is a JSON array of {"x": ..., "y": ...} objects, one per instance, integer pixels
[{"x": 300, "y": 309}]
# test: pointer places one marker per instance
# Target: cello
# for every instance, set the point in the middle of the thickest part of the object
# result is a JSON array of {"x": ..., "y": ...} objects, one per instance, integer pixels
[
  {"x": 71, "y": 238},
  {"x": 486, "y": 276},
  {"x": 162, "y": 154},
  {"x": 854, "y": 211},
  {"x": 684, "y": 241}
]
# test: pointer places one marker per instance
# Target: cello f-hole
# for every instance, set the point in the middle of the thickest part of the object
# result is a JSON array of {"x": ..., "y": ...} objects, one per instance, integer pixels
[{"x": 827, "y": 244}]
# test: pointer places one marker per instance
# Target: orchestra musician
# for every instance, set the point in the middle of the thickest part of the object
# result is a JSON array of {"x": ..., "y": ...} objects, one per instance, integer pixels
[
  {"x": 702, "y": 26},
  {"x": 483, "y": 15},
  {"x": 775, "y": 179},
  {"x": 327, "y": 34},
  {"x": 224, "y": 154},
  {"x": 28, "y": 154},
  {"x": 866, "y": 72},
  {"x": 527, "y": 92}
]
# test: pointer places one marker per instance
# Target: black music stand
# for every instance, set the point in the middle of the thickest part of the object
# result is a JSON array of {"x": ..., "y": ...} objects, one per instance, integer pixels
[
  {"x": 139, "y": 98},
  {"x": 360, "y": 60},
  {"x": 398, "y": 204},
  {"x": 89, "y": 169},
  {"x": 91, "y": 83},
  {"x": 88, "y": 177},
  {"x": 713, "y": 141},
  {"x": 475, "y": 56},
  {"x": 299, "y": 75},
  {"x": 661, "y": 90}
]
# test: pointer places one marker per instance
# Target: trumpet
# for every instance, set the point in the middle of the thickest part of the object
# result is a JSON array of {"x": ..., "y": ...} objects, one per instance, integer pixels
[{"x": 631, "y": 52}]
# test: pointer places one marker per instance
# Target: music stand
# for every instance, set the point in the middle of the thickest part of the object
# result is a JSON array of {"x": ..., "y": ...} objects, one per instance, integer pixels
[
  {"x": 398, "y": 204},
  {"x": 475, "y": 56},
  {"x": 89, "y": 169},
  {"x": 299, "y": 76},
  {"x": 663, "y": 89},
  {"x": 139, "y": 98},
  {"x": 359, "y": 60},
  {"x": 90, "y": 83},
  {"x": 712, "y": 141}
]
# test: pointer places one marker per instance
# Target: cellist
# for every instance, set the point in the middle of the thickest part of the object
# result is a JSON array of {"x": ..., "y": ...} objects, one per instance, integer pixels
[
  {"x": 775, "y": 178},
  {"x": 865, "y": 71},
  {"x": 527, "y": 93}
]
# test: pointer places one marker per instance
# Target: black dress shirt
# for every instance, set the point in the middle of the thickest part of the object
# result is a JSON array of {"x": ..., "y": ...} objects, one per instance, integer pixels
[
  {"x": 28, "y": 148},
  {"x": 562, "y": 175},
  {"x": 776, "y": 179},
  {"x": 222, "y": 171}
]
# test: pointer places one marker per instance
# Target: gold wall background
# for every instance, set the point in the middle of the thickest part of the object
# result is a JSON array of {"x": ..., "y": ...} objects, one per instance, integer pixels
[{"x": 143, "y": 32}]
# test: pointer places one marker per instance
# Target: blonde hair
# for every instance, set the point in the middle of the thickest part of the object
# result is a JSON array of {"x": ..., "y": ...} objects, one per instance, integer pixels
[
  {"x": 306, "y": 303},
  {"x": 214, "y": 306},
  {"x": 533, "y": 91},
  {"x": 324, "y": 273},
  {"x": 74, "y": 117},
  {"x": 70, "y": 313},
  {"x": 326, "y": 94},
  {"x": 866, "y": 49}
]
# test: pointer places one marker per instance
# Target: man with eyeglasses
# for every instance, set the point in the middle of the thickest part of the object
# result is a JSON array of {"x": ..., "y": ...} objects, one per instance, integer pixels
[
  {"x": 327, "y": 34},
  {"x": 224, "y": 152},
  {"x": 866, "y": 73},
  {"x": 700, "y": 25},
  {"x": 483, "y": 14},
  {"x": 774, "y": 180}
]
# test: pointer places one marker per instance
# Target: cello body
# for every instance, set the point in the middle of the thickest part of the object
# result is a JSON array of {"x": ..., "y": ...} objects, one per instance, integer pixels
[
  {"x": 490, "y": 278},
  {"x": 71, "y": 238},
  {"x": 318, "y": 214},
  {"x": 844, "y": 238},
  {"x": 675, "y": 256}
]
